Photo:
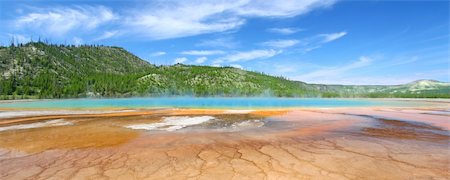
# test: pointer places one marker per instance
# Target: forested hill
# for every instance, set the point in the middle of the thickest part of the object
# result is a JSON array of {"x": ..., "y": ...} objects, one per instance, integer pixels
[{"x": 39, "y": 70}]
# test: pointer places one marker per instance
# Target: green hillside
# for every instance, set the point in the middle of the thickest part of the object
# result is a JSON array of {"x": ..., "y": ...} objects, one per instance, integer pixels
[
  {"x": 38, "y": 70},
  {"x": 213, "y": 81},
  {"x": 50, "y": 71},
  {"x": 416, "y": 89}
]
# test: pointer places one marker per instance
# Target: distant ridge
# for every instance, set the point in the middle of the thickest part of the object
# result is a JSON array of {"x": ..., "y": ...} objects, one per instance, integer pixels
[
  {"x": 39, "y": 70},
  {"x": 427, "y": 82}
]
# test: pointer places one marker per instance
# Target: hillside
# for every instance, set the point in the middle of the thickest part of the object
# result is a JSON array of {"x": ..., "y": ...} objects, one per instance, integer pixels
[
  {"x": 416, "y": 89},
  {"x": 212, "y": 81},
  {"x": 38, "y": 70},
  {"x": 50, "y": 71}
]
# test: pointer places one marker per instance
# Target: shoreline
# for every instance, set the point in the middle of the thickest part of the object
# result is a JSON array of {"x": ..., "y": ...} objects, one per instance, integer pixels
[{"x": 110, "y": 104}]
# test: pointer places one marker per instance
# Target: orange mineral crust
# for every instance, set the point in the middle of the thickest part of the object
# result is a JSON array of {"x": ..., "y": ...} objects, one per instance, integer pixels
[{"x": 313, "y": 143}]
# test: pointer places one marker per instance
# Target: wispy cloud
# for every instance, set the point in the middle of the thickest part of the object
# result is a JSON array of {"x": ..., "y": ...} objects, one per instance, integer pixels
[
  {"x": 180, "y": 60},
  {"x": 107, "y": 35},
  {"x": 174, "y": 19},
  {"x": 248, "y": 55},
  {"x": 311, "y": 48},
  {"x": 318, "y": 76},
  {"x": 58, "y": 21},
  {"x": 201, "y": 60},
  {"x": 280, "y": 8},
  {"x": 281, "y": 43},
  {"x": 160, "y": 19},
  {"x": 202, "y": 52},
  {"x": 387, "y": 79},
  {"x": 284, "y": 31},
  {"x": 317, "y": 41},
  {"x": 333, "y": 36},
  {"x": 158, "y": 53},
  {"x": 224, "y": 42}
]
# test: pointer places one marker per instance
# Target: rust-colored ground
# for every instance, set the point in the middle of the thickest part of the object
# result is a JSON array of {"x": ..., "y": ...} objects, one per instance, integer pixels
[{"x": 338, "y": 143}]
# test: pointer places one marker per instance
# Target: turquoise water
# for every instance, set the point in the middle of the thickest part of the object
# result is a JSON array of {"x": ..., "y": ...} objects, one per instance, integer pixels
[{"x": 191, "y": 102}]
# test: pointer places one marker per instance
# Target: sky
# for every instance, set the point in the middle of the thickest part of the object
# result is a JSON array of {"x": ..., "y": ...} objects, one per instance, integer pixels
[{"x": 315, "y": 41}]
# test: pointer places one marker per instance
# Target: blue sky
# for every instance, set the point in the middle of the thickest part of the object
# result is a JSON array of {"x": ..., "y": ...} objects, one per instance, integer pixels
[{"x": 316, "y": 41}]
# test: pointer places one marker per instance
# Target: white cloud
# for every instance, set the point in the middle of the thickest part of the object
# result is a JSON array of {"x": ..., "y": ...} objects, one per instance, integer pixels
[
  {"x": 225, "y": 42},
  {"x": 317, "y": 41},
  {"x": 160, "y": 19},
  {"x": 106, "y": 35},
  {"x": 280, "y": 8},
  {"x": 183, "y": 18},
  {"x": 201, "y": 60},
  {"x": 333, "y": 36},
  {"x": 180, "y": 60},
  {"x": 320, "y": 75},
  {"x": 307, "y": 49},
  {"x": 284, "y": 31},
  {"x": 173, "y": 19},
  {"x": 281, "y": 43},
  {"x": 386, "y": 79},
  {"x": 249, "y": 55},
  {"x": 59, "y": 21},
  {"x": 158, "y": 53},
  {"x": 202, "y": 52},
  {"x": 236, "y": 66}
]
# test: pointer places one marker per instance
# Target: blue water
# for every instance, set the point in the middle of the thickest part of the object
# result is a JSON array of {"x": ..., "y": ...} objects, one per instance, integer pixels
[{"x": 191, "y": 102}]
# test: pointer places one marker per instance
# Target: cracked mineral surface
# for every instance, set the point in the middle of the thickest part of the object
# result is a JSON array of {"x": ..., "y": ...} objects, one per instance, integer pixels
[{"x": 307, "y": 143}]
